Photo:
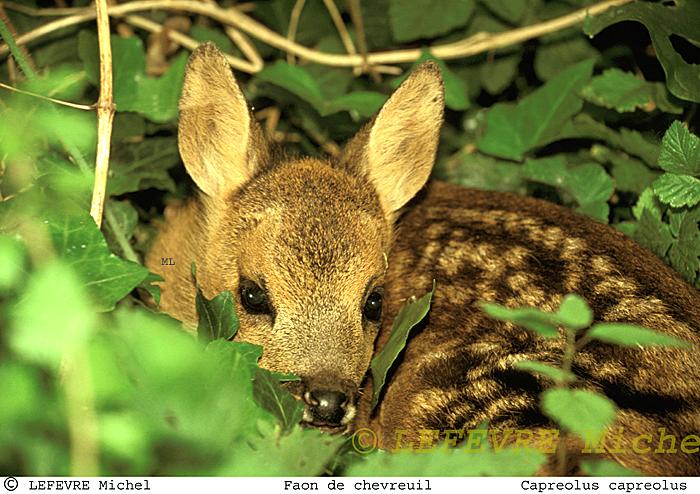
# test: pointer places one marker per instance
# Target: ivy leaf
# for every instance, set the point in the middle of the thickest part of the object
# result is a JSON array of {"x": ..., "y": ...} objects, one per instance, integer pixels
[
  {"x": 415, "y": 19},
  {"x": 143, "y": 165},
  {"x": 408, "y": 317},
  {"x": 584, "y": 413},
  {"x": 632, "y": 335},
  {"x": 554, "y": 373},
  {"x": 663, "y": 23},
  {"x": 54, "y": 316},
  {"x": 279, "y": 402},
  {"x": 537, "y": 119},
  {"x": 217, "y": 317},
  {"x": 154, "y": 98},
  {"x": 680, "y": 151},
  {"x": 302, "y": 84},
  {"x": 677, "y": 190},
  {"x": 624, "y": 92},
  {"x": 106, "y": 277}
]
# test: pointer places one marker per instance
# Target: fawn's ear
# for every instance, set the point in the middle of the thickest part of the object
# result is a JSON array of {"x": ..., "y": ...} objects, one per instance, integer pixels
[
  {"x": 219, "y": 141},
  {"x": 398, "y": 148}
]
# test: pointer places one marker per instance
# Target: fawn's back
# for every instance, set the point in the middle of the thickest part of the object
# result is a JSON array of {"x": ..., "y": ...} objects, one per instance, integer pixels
[{"x": 322, "y": 254}]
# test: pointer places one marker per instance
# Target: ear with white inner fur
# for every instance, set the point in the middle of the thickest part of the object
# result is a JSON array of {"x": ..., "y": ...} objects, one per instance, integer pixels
[
  {"x": 216, "y": 129},
  {"x": 401, "y": 144}
]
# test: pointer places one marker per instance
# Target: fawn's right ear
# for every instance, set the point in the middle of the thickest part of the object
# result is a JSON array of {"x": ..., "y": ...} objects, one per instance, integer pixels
[{"x": 218, "y": 139}]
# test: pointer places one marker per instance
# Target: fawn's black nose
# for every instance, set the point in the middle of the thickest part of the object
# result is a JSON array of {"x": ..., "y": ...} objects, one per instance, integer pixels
[{"x": 327, "y": 406}]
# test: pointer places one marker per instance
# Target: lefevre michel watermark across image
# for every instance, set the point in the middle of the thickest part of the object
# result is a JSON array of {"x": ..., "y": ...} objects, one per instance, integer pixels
[{"x": 613, "y": 441}]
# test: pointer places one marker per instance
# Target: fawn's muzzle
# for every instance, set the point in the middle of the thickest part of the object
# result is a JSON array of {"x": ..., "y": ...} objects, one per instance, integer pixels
[{"x": 327, "y": 407}]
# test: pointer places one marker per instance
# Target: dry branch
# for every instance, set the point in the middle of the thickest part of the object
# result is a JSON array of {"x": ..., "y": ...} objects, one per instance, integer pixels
[{"x": 478, "y": 43}]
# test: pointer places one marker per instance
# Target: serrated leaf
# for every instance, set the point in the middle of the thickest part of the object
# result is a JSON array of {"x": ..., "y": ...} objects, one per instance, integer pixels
[
  {"x": 680, "y": 151},
  {"x": 621, "y": 91},
  {"x": 538, "y": 119},
  {"x": 554, "y": 373},
  {"x": 415, "y": 19},
  {"x": 217, "y": 317},
  {"x": 543, "y": 323},
  {"x": 632, "y": 335},
  {"x": 677, "y": 190},
  {"x": 684, "y": 253},
  {"x": 647, "y": 200},
  {"x": 279, "y": 402},
  {"x": 606, "y": 468},
  {"x": 408, "y": 317},
  {"x": 582, "y": 412},
  {"x": 662, "y": 22},
  {"x": 653, "y": 233},
  {"x": 574, "y": 312},
  {"x": 106, "y": 277},
  {"x": 143, "y": 165}
]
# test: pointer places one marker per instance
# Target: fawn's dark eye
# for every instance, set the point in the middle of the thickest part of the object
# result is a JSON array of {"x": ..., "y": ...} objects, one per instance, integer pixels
[
  {"x": 373, "y": 307},
  {"x": 254, "y": 298}
]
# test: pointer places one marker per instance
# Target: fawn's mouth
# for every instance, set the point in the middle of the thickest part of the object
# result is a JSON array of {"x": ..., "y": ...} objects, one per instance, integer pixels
[{"x": 309, "y": 420}]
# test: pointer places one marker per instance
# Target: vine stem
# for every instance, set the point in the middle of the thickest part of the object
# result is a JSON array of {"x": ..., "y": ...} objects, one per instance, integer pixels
[
  {"x": 105, "y": 113},
  {"x": 478, "y": 43}
]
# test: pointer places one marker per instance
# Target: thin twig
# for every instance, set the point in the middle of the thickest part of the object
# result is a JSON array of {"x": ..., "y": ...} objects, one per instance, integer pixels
[
  {"x": 11, "y": 45},
  {"x": 82, "y": 420},
  {"x": 105, "y": 113},
  {"x": 340, "y": 26},
  {"x": 356, "y": 15},
  {"x": 293, "y": 25},
  {"x": 478, "y": 43},
  {"x": 46, "y": 98}
]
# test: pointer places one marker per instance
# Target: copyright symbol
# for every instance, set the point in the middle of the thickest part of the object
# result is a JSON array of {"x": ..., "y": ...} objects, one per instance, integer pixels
[
  {"x": 10, "y": 483},
  {"x": 364, "y": 441}
]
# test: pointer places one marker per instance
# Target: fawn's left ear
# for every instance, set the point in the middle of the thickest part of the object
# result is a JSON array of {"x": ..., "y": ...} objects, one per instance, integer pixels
[{"x": 397, "y": 150}]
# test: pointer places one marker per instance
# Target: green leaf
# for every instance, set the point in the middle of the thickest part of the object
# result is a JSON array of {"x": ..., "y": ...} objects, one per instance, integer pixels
[
  {"x": 677, "y": 190},
  {"x": 621, "y": 91},
  {"x": 632, "y": 335},
  {"x": 12, "y": 261},
  {"x": 279, "y": 402},
  {"x": 217, "y": 317},
  {"x": 554, "y": 373},
  {"x": 543, "y": 323},
  {"x": 106, "y": 278},
  {"x": 408, "y": 317},
  {"x": 415, "y": 19},
  {"x": 582, "y": 412},
  {"x": 154, "y": 98},
  {"x": 680, "y": 151},
  {"x": 684, "y": 253},
  {"x": 662, "y": 22},
  {"x": 653, "y": 233},
  {"x": 554, "y": 56},
  {"x": 54, "y": 317},
  {"x": 143, "y": 165},
  {"x": 479, "y": 171},
  {"x": 456, "y": 90},
  {"x": 629, "y": 174},
  {"x": 606, "y": 468},
  {"x": 442, "y": 461},
  {"x": 497, "y": 74},
  {"x": 538, "y": 119},
  {"x": 512, "y": 11},
  {"x": 629, "y": 141},
  {"x": 300, "y": 82},
  {"x": 574, "y": 312}
]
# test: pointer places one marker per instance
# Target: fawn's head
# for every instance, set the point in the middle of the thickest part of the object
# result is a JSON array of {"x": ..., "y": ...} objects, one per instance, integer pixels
[{"x": 303, "y": 243}]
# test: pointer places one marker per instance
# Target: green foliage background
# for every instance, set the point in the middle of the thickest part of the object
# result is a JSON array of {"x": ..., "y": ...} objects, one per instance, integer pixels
[{"x": 599, "y": 117}]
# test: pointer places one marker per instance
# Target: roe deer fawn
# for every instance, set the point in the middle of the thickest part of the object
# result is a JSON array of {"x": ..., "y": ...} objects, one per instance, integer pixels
[{"x": 322, "y": 253}]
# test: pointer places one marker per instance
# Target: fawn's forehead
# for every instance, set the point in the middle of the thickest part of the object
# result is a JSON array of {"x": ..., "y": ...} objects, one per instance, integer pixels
[{"x": 310, "y": 215}]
